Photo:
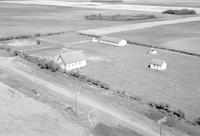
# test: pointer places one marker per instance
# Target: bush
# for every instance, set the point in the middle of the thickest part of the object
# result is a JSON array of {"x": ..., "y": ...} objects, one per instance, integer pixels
[
  {"x": 54, "y": 67},
  {"x": 8, "y": 50},
  {"x": 49, "y": 64},
  {"x": 105, "y": 86},
  {"x": 121, "y": 93},
  {"x": 197, "y": 121},
  {"x": 163, "y": 107},
  {"x": 16, "y": 53},
  {"x": 180, "y": 12},
  {"x": 179, "y": 114},
  {"x": 38, "y": 42},
  {"x": 37, "y": 35},
  {"x": 134, "y": 98}
]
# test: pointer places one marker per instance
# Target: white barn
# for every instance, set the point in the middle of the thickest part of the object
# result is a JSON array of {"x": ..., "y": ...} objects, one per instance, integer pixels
[
  {"x": 158, "y": 64},
  {"x": 113, "y": 41},
  {"x": 71, "y": 60}
]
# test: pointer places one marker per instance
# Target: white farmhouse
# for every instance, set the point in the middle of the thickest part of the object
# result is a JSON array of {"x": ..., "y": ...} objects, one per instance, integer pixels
[
  {"x": 71, "y": 60},
  {"x": 113, "y": 41},
  {"x": 158, "y": 64}
]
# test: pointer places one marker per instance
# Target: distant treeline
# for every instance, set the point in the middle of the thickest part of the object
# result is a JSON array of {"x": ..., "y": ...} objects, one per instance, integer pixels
[
  {"x": 26, "y": 36},
  {"x": 180, "y": 12},
  {"x": 119, "y": 17}
]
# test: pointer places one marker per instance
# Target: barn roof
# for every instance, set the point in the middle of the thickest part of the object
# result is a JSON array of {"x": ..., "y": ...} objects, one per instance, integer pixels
[
  {"x": 157, "y": 62},
  {"x": 111, "y": 39},
  {"x": 73, "y": 57}
]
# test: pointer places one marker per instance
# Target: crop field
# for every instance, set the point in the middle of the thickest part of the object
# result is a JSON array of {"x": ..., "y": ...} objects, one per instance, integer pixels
[
  {"x": 126, "y": 68},
  {"x": 44, "y": 19},
  {"x": 187, "y": 3},
  {"x": 183, "y": 37},
  {"x": 31, "y": 94}
]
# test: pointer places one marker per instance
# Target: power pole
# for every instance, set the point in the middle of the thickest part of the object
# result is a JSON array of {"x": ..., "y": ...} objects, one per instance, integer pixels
[
  {"x": 160, "y": 129},
  {"x": 75, "y": 104}
]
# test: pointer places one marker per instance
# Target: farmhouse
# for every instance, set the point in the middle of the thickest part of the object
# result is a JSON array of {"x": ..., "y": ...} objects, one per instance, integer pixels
[
  {"x": 158, "y": 64},
  {"x": 113, "y": 41},
  {"x": 71, "y": 60}
]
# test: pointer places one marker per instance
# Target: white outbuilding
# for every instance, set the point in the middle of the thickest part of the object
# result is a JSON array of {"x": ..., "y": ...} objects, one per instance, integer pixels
[
  {"x": 158, "y": 64},
  {"x": 152, "y": 51},
  {"x": 94, "y": 39},
  {"x": 71, "y": 60},
  {"x": 113, "y": 41}
]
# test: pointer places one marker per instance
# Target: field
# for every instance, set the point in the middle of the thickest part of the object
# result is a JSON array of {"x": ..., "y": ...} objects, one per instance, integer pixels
[
  {"x": 123, "y": 68},
  {"x": 184, "y": 37},
  {"x": 120, "y": 68},
  {"x": 21, "y": 115},
  {"x": 44, "y": 19},
  {"x": 126, "y": 68},
  {"x": 186, "y": 3},
  {"x": 39, "y": 104}
]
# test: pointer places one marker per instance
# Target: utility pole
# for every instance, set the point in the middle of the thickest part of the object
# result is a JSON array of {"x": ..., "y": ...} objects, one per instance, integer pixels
[
  {"x": 76, "y": 102},
  {"x": 160, "y": 129}
]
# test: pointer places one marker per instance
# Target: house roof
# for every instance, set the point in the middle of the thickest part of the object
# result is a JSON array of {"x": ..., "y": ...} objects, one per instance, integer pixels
[
  {"x": 157, "y": 62},
  {"x": 111, "y": 39},
  {"x": 72, "y": 57}
]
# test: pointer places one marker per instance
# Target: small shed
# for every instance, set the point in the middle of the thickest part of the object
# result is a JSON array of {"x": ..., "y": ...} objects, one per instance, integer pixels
[
  {"x": 113, "y": 41},
  {"x": 152, "y": 51},
  {"x": 94, "y": 39},
  {"x": 71, "y": 60},
  {"x": 158, "y": 64}
]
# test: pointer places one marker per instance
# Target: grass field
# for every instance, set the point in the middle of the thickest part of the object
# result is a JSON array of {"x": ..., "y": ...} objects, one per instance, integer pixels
[
  {"x": 184, "y": 36},
  {"x": 189, "y": 3},
  {"x": 29, "y": 19},
  {"x": 21, "y": 115},
  {"x": 126, "y": 68}
]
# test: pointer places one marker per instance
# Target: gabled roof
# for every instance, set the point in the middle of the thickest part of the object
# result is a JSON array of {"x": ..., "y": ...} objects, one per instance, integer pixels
[
  {"x": 110, "y": 39},
  {"x": 157, "y": 62},
  {"x": 72, "y": 57}
]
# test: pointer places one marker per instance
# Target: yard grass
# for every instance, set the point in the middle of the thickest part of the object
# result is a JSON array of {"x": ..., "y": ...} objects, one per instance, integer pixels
[
  {"x": 123, "y": 71},
  {"x": 126, "y": 68},
  {"x": 109, "y": 75}
]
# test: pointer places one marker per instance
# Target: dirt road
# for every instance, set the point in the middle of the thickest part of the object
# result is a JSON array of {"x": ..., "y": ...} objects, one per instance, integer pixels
[
  {"x": 140, "y": 128},
  {"x": 129, "y": 27}
]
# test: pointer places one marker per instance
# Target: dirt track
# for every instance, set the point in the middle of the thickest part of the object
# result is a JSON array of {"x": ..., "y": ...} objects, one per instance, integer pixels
[{"x": 129, "y": 27}]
